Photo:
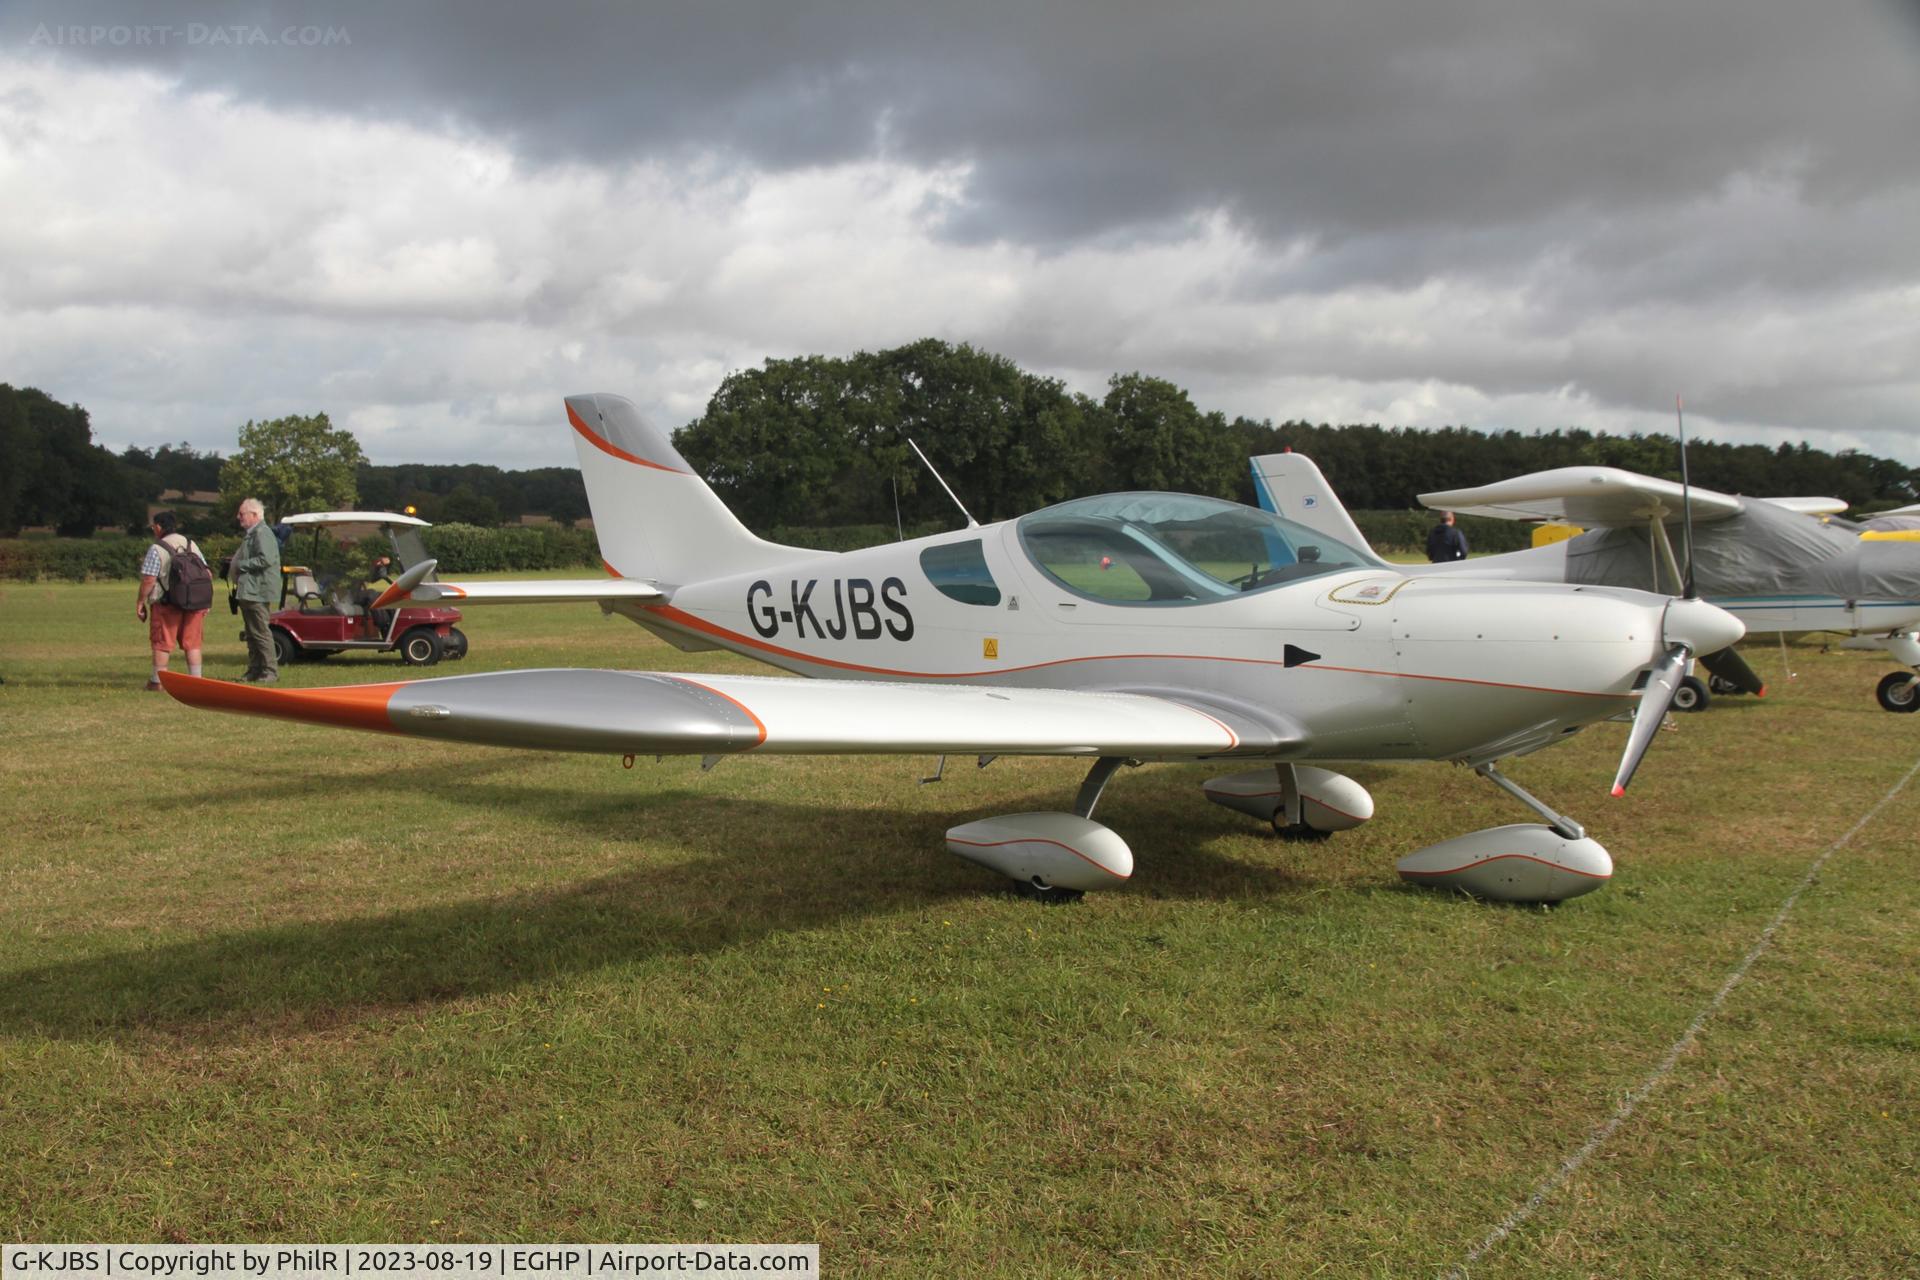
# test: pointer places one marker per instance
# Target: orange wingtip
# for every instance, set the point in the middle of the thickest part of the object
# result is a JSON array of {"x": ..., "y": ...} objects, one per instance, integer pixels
[
  {"x": 353, "y": 706},
  {"x": 1618, "y": 792}
]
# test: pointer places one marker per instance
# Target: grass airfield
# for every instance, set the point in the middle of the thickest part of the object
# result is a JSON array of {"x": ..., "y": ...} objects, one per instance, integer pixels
[{"x": 271, "y": 982}]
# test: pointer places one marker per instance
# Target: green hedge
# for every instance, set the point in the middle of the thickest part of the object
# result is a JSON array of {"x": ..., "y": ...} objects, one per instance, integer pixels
[
  {"x": 849, "y": 537},
  {"x": 467, "y": 548},
  {"x": 82, "y": 559}
]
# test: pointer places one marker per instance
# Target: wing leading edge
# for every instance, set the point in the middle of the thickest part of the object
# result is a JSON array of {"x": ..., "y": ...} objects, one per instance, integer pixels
[{"x": 665, "y": 713}]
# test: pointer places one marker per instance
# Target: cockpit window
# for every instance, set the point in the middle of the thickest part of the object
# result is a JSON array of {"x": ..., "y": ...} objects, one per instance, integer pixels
[
  {"x": 1172, "y": 548},
  {"x": 958, "y": 570}
]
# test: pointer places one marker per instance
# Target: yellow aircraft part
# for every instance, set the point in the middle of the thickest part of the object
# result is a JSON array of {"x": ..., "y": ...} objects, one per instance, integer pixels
[
  {"x": 1545, "y": 535},
  {"x": 1891, "y": 535}
]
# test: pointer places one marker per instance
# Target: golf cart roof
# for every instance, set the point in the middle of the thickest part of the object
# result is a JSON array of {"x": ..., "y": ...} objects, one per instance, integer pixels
[{"x": 355, "y": 517}]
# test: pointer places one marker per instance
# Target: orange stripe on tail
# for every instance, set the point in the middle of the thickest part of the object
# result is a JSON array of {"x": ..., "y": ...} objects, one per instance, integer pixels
[{"x": 606, "y": 446}]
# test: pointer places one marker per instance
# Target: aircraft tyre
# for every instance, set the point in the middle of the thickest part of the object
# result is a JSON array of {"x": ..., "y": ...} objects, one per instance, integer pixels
[
  {"x": 1899, "y": 691},
  {"x": 421, "y": 647},
  {"x": 1721, "y": 688},
  {"x": 1051, "y": 895},
  {"x": 1297, "y": 832},
  {"x": 1692, "y": 695}
]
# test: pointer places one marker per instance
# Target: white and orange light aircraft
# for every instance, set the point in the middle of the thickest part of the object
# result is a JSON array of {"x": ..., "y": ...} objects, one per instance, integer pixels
[{"x": 1126, "y": 628}]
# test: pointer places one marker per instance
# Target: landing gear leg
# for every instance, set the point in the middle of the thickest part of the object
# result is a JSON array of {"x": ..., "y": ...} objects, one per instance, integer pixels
[
  {"x": 1290, "y": 816},
  {"x": 1097, "y": 778},
  {"x": 1561, "y": 824}
]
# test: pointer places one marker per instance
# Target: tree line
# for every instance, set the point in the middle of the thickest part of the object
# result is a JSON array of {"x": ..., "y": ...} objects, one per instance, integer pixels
[
  {"x": 823, "y": 441},
  {"x": 820, "y": 440}
]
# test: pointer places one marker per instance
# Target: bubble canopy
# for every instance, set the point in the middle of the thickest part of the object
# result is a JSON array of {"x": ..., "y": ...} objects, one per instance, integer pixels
[{"x": 1176, "y": 548}]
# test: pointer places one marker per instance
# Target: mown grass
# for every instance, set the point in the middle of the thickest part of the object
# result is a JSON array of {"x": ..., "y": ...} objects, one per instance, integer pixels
[{"x": 261, "y": 981}]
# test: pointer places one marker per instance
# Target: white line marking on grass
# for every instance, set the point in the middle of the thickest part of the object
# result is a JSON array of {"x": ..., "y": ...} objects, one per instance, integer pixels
[{"x": 1638, "y": 1094}]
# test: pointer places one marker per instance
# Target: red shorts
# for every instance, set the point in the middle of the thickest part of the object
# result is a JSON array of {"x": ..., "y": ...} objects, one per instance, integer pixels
[{"x": 170, "y": 627}]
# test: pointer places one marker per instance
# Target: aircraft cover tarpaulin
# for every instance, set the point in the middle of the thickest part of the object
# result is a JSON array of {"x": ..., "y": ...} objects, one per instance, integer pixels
[{"x": 1769, "y": 552}]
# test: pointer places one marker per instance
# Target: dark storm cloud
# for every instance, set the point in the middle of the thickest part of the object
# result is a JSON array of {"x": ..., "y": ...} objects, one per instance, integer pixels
[
  {"x": 1332, "y": 121},
  {"x": 1480, "y": 207}
]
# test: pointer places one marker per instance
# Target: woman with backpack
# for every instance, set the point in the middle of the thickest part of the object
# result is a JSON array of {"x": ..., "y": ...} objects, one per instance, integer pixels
[{"x": 176, "y": 589}]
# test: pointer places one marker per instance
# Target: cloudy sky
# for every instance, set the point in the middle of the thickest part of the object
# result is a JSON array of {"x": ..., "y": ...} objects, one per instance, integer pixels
[{"x": 432, "y": 221}]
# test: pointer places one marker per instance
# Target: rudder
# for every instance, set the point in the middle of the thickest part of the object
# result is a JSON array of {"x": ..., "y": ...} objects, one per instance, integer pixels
[{"x": 1290, "y": 485}]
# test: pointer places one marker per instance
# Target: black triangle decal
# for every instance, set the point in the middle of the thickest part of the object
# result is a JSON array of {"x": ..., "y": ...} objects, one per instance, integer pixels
[{"x": 1294, "y": 656}]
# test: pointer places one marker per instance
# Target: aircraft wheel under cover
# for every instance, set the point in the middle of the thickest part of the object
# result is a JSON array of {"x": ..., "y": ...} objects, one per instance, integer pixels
[
  {"x": 1692, "y": 695},
  {"x": 421, "y": 647},
  {"x": 456, "y": 643},
  {"x": 1721, "y": 688},
  {"x": 1899, "y": 691},
  {"x": 1051, "y": 895},
  {"x": 1297, "y": 831}
]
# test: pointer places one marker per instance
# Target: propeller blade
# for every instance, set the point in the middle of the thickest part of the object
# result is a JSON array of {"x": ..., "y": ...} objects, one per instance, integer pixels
[
  {"x": 1662, "y": 682},
  {"x": 1733, "y": 668}
]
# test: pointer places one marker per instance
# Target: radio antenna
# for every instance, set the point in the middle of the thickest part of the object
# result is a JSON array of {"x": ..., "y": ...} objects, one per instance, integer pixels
[
  {"x": 971, "y": 522},
  {"x": 1686, "y": 493}
]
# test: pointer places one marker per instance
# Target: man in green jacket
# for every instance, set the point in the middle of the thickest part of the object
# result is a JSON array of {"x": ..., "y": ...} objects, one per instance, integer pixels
[{"x": 256, "y": 586}]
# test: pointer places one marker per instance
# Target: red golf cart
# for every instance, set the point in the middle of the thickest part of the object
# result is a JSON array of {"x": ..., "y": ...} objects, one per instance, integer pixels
[{"x": 322, "y": 614}]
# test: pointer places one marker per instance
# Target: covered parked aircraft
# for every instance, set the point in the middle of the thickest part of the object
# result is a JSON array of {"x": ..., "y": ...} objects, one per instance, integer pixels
[
  {"x": 1764, "y": 560},
  {"x": 1119, "y": 629}
]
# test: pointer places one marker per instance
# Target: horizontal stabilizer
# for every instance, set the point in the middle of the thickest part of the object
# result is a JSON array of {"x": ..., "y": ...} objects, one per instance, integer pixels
[
  {"x": 661, "y": 713},
  {"x": 551, "y": 591}
]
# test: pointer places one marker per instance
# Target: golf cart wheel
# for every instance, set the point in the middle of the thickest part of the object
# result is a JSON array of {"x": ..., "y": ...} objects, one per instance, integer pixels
[
  {"x": 284, "y": 649},
  {"x": 421, "y": 647},
  {"x": 1692, "y": 695},
  {"x": 456, "y": 645},
  {"x": 1898, "y": 692}
]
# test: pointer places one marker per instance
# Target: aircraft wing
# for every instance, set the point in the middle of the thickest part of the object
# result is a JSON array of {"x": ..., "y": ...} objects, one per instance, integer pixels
[
  {"x": 1587, "y": 496},
  {"x": 667, "y": 713}
]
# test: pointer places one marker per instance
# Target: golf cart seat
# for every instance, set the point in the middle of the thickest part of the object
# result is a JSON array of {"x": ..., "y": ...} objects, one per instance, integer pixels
[{"x": 305, "y": 589}]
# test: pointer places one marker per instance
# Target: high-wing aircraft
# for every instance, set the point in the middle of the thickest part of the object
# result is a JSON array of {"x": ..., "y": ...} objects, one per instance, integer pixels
[
  {"x": 1125, "y": 628},
  {"x": 1761, "y": 559}
]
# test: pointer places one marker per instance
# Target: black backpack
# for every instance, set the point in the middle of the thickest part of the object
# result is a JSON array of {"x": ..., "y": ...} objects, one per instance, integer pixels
[{"x": 190, "y": 582}]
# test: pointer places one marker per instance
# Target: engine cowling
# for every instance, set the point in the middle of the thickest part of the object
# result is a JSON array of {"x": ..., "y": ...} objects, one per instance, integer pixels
[
  {"x": 1329, "y": 801},
  {"x": 1524, "y": 862},
  {"x": 1047, "y": 850}
]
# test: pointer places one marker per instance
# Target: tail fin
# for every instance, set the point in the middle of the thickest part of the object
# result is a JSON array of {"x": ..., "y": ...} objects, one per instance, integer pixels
[
  {"x": 655, "y": 517},
  {"x": 1290, "y": 485}
]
